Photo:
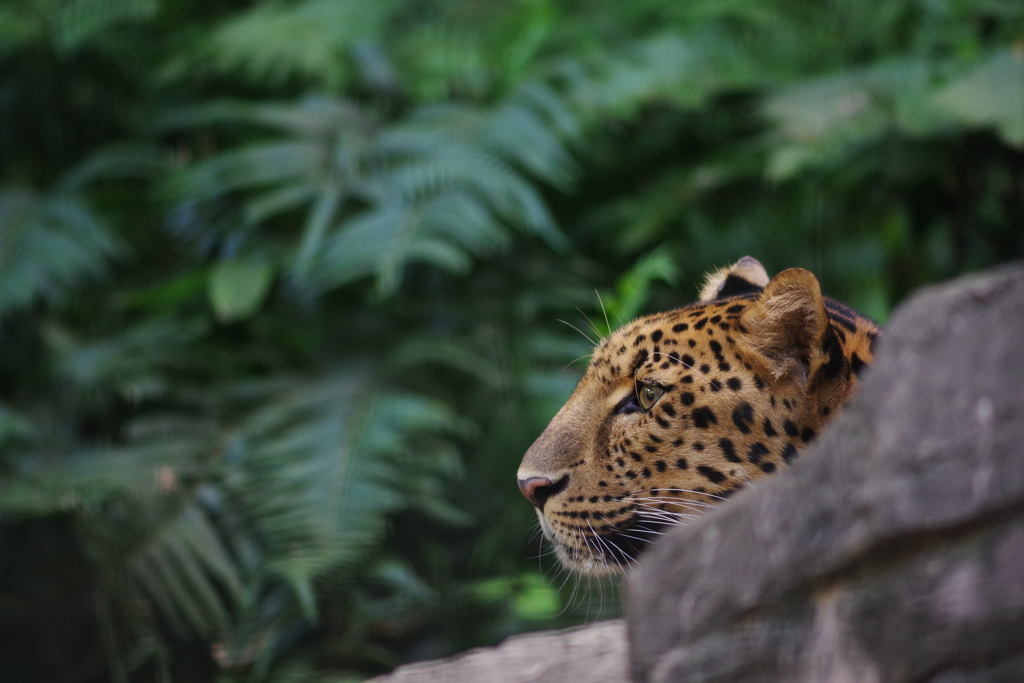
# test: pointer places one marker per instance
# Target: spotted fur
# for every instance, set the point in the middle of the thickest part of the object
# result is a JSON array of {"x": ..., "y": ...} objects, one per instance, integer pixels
[{"x": 744, "y": 379}]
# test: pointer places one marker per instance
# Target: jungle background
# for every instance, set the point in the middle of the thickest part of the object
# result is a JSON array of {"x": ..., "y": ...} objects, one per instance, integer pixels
[{"x": 283, "y": 283}]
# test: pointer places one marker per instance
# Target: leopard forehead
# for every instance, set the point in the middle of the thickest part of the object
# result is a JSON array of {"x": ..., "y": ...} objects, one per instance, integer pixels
[
  {"x": 718, "y": 416},
  {"x": 669, "y": 344}
]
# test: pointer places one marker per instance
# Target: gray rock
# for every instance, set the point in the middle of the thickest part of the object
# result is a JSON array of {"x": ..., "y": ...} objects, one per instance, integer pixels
[
  {"x": 894, "y": 550},
  {"x": 596, "y": 654}
]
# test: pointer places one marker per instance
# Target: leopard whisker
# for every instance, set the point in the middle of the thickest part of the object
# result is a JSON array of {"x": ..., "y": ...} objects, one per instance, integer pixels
[
  {"x": 651, "y": 502},
  {"x": 607, "y": 324},
  {"x": 674, "y": 500},
  {"x": 593, "y": 343},
  {"x": 699, "y": 493},
  {"x": 567, "y": 365},
  {"x": 591, "y": 323},
  {"x": 605, "y": 544},
  {"x": 656, "y": 509},
  {"x": 660, "y": 504},
  {"x": 635, "y": 538},
  {"x": 670, "y": 519},
  {"x": 667, "y": 514},
  {"x": 653, "y": 532}
]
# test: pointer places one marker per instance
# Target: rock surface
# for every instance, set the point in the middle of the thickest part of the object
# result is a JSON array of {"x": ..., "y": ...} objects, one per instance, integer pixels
[
  {"x": 596, "y": 654},
  {"x": 893, "y": 551}
]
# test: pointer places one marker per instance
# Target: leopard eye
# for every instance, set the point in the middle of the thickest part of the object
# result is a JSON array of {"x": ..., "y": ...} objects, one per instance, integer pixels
[{"x": 648, "y": 395}]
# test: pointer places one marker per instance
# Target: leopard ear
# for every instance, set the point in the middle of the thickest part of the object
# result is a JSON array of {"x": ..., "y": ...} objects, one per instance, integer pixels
[
  {"x": 746, "y": 276},
  {"x": 787, "y": 324}
]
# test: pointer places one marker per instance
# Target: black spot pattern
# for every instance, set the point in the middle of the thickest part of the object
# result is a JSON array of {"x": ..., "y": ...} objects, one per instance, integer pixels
[
  {"x": 729, "y": 450},
  {"x": 712, "y": 475},
  {"x": 703, "y": 417},
  {"x": 743, "y": 416},
  {"x": 756, "y": 452}
]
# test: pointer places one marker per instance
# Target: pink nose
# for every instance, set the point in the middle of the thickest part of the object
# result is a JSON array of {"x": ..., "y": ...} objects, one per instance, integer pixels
[{"x": 538, "y": 489}]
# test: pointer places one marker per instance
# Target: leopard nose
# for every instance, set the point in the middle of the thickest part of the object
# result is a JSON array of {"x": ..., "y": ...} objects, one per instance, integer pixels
[{"x": 538, "y": 489}]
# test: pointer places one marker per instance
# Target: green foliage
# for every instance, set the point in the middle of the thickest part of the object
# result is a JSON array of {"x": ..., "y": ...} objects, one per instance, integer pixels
[
  {"x": 48, "y": 244},
  {"x": 281, "y": 283},
  {"x": 990, "y": 95},
  {"x": 438, "y": 187}
]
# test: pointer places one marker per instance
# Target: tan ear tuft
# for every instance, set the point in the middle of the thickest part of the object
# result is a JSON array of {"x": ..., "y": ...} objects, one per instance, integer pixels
[
  {"x": 745, "y": 276},
  {"x": 788, "y": 323}
]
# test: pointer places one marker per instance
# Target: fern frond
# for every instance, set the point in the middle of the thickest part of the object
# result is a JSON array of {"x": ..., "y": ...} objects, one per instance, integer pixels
[
  {"x": 188, "y": 571},
  {"x": 271, "y": 43},
  {"x": 78, "y": 20},
  {"x": 48, "y": 243},
  {"x": 440, "y": 187},
  {"x": 130, "y": 363},
  {"x": 319, "y": 464}
]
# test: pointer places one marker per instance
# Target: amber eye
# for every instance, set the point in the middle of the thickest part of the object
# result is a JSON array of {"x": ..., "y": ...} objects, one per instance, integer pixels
[{"x": 648, "y": 395}]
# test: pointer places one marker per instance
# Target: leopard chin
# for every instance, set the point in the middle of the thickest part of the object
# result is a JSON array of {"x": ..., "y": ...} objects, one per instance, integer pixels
[{"x": 598, "y": 555}]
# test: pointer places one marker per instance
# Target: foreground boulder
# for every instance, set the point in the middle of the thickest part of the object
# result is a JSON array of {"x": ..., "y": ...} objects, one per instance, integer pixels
[
  {"x": 894, "y": 551},
  {"x": 596, "y": 654}
]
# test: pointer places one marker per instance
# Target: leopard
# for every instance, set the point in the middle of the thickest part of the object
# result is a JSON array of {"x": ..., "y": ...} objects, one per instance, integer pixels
[{"x": 679, "y": 410}]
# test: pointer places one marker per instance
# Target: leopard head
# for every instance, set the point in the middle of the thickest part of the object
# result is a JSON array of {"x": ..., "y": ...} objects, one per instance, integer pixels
[{"x": 679, "y": 410}]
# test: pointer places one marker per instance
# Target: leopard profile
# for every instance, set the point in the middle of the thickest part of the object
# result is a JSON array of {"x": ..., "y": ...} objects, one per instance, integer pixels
[{"x": 679, "y": 410}]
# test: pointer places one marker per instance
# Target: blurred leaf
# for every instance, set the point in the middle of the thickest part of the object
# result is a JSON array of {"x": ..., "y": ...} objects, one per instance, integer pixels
[
  {"x": 237, "y": 288},
  {"x": 990, "y": 95},
  {"x": 821, "y": 119},
  {"x": 532, "y": 597},
  {"x": 118, "y": 161}
]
